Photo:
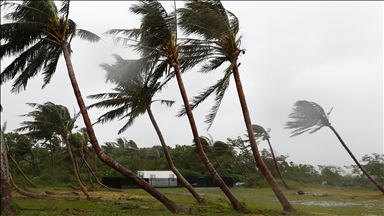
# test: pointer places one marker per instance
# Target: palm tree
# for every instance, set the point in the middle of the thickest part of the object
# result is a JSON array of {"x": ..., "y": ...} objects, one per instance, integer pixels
[
  {"x": 133, "y": 96},
  {"x": 157, "y": 40},
  {"x": 38, "y": 34},
  {"x": 6, "y": 194},
  {"x": 222, "y": 148},
  {"x": 208, "y": 148},
  {"x": 309, "y": 116},
  {"x": 264, "y": 135},
  {"x": 58, "y": 119},
  {"x": 219, "y": 42}
]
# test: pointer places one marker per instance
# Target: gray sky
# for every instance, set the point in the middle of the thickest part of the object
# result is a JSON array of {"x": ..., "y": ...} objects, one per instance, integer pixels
[{"x": 330, "y": 53}]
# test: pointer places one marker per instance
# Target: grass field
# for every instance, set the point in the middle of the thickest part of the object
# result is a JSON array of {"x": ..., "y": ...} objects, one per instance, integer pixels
[{"x": 316, "y": 201}]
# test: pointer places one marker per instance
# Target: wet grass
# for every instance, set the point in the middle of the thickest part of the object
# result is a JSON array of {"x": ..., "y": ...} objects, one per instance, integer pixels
[{"x": 316, "y": 201}]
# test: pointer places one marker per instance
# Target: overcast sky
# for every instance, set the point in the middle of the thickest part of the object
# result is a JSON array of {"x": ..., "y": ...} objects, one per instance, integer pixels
[{"x": 330, "y": 53}]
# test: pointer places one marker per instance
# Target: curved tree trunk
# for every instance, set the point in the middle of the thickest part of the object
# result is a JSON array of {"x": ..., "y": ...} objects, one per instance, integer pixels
[
  {"x": 287, "y": 206},
  {"x": 6, "y": 194},
  {"x": 277, "y": 166},
  {"x": 94, "y": 175},
  {"x": 170, "y": 205},
  {"x": 241, "y": 167},
  {"x": 221, "y": 167},
  {"x": 234, "y": 201},
  {"x": 356, "y": 161},
  {"x": 23, "y": 192},
  {"x": 169, "y": 159},
  {"x": 18, "y": 167},
  {"x": 79, "y": 182},
  {"x": 52, "y": 157}
]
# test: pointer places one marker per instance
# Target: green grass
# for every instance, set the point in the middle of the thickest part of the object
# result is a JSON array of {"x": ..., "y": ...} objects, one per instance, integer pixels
[{"x": 327, "y": 201}]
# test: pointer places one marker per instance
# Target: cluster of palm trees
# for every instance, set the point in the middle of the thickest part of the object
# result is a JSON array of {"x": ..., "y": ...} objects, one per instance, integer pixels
[{"x": 39, "y": 33}]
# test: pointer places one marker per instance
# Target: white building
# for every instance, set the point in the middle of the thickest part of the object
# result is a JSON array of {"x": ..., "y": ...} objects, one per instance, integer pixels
[{"x": 159, "y": 178}]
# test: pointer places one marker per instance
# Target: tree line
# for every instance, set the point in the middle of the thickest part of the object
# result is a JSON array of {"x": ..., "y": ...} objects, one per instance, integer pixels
[{"x": 39, "y": 33}]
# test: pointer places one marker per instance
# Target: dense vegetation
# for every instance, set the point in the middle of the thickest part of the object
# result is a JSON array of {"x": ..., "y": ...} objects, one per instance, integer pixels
[{"x": 34, "y": 159}]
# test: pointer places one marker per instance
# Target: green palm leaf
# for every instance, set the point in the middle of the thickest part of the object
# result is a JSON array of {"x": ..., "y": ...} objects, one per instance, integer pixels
[{"x": 307, "y": 116}]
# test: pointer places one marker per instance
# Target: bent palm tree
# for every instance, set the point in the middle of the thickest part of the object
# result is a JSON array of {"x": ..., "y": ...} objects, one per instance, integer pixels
[
  {"x": 261, "y": 132},
  {"x": 133, "y": 96},
  {"x": 59, "y": 121},
  {"x": 208, "y": 148},
  {"x": 157, "y": 39},
  {"x": 219, "y": 42},
  {"x": 38, "y": 34},
  {"x": 309, "y": 116},
  {"x": 222, "y": 148}
]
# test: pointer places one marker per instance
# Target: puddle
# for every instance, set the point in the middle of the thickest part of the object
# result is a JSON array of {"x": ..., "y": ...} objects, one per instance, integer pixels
[{"x": 338, "y": 204}]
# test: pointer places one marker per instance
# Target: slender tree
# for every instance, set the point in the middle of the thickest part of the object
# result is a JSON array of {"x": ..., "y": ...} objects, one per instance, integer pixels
[
  {"x": 219, "y": 42},
  {"x": 38, "y": 33},
  {"x": 208, "y": 148},
  {"x": 309, "y": 116},
  {"x": 6, "y": 194},
  {"x": 60, "y": 122},
  {"x": 222, "y": 148},
  {"x": 132, "y": 97},
  {"x": 157, "y": 39},
  {"x": 264, "y": 135}
]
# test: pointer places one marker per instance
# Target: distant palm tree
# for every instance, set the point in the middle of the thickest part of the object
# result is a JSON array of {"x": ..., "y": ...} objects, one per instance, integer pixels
[
  {"x": 208, "y": 148},
  {"x": 59, "y": 121},
  {"x": 264, "y": 135},
  {"x": 222, "y": 148},
  {"x": 309, "y": 116},
  {"x": 132, "y": 97},
  {"x": 38, "y": 34},
  {"x": 157, "y": 39},
  {"x": 219, "y": 42}
]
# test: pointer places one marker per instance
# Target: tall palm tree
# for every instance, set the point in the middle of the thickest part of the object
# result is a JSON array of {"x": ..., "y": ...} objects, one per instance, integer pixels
[
  {"x": 6, "y": 194},
  {"x": 133, "y": 96},
  {"x": 208, "y": 148},
  {"x": 219, "y": 43},
  {"x": 58, "y": 119},
  {"x": 222, "y": 148},
  {"x": 157, "y": 39},
  {"x": 264, "y": 135},
  {"x": 309, "y": 116},
  {"x": 38, "y": 33}
]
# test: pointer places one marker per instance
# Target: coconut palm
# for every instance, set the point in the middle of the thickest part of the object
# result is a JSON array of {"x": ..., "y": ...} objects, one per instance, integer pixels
[
  {"x": 219, "y": 42},
  {"x": 38, "y": 33},
  {"x": 221, "y": 148},
  {"x": 260, "y": 132},
  {"x": 310, "y": 117},
  {"x": 58, "y": 119},
  {"x": 157, "y": 39},
  {"x": 132, "y": 97},
  {"x": 6, "y": 194},
  {"x": 208, "y": 148}
]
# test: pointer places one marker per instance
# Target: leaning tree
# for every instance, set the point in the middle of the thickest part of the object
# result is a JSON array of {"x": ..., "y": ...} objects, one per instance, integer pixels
[{"x": 309, "y": 116}]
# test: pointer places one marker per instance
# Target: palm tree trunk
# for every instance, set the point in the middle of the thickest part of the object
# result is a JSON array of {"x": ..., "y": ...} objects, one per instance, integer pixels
[
  {"x": 52, "y": 157},
  {"x": 170, "y": 205},
  {"x": 234, "y": 201},
  {"x": 169, "y": 159},
  {"x": 287, "y": 206},
  {"x": 277, "y": 166},
  {"x": 94, "y": 175},
  {"x": 19, "y": 168},
  {"x": 356, "y": 161},
  {"x": 221, "y": 167},
  {"x": 241, "y": 167},
  {"x": 23, "y": 192},
  {"x": 6, "y": 190},
  {"x": 79, "y": 182}
]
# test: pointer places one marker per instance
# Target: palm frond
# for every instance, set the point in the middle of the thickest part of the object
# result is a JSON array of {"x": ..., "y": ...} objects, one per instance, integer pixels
[{"x": 307, "y": 116}]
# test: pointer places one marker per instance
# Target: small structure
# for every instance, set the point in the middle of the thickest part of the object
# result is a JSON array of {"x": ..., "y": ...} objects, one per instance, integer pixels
[{"x": 159, "y": 178}]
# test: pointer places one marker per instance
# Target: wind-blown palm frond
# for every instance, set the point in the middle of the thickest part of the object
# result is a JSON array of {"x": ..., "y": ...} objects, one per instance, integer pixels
[
  {"x": 307, "y": 116},
  {"x": 34, "y": 34},
  {"x": 218, "y": 29},
  {"x": 136, "y": 85}
]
